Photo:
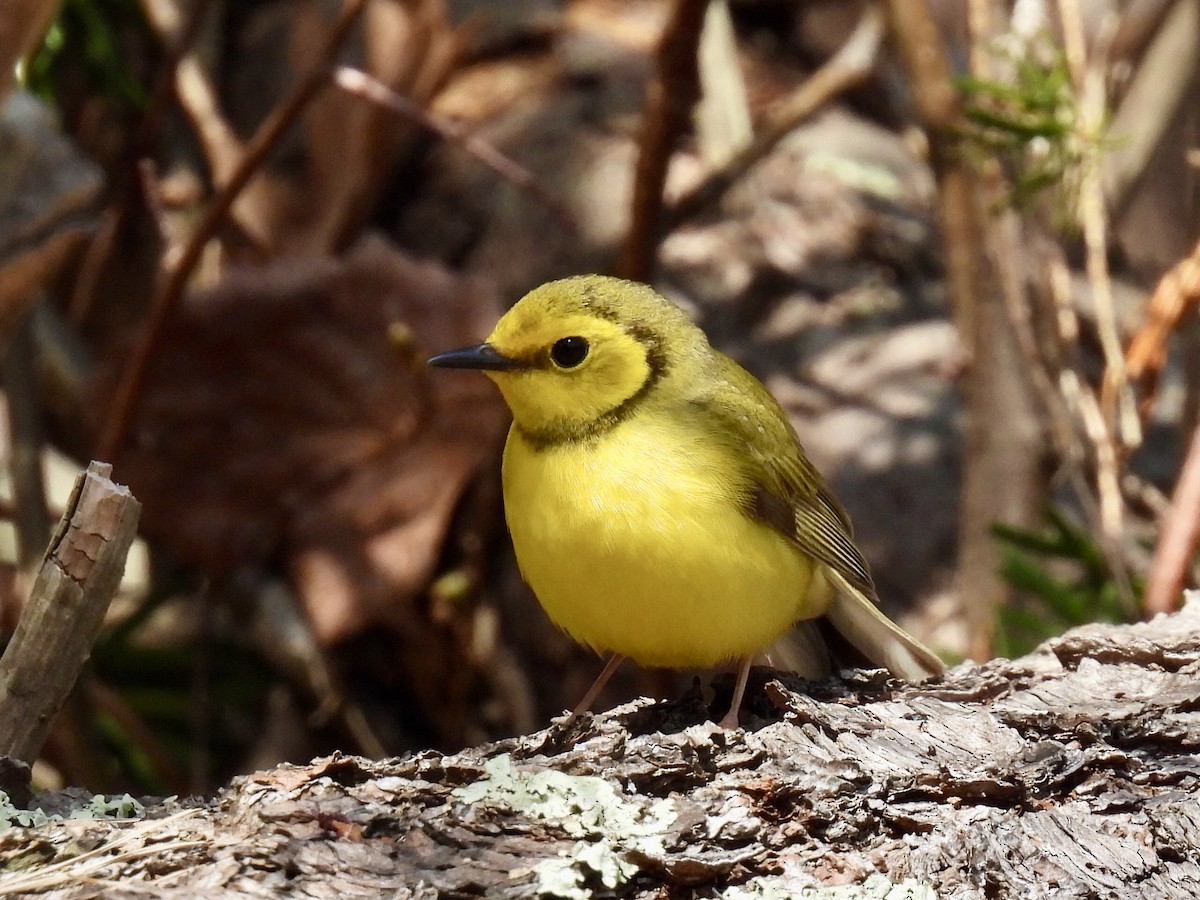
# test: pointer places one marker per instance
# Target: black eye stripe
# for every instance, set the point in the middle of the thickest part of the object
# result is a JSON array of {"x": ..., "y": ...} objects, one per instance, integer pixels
[{"x": 569, "y": 352}]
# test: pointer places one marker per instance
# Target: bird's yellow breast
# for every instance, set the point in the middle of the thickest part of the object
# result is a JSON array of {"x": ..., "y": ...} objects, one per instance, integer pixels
[{"x": 635, "y": 543}]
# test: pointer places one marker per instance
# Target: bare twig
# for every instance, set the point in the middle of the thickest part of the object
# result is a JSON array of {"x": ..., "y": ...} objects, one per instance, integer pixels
[
  {"x": 80, "y": 575},
  {"x": 352, "y": 150},
  {"x": 1177, "y": 542},
  {"x": 936, "y": 104},
  {"x": 850, "y": 66},
  {"x": 1043, "y": 364},
  {"x": 152, "y": 192},
  {"x": 177, "y": 30},
  {"x": 177, "y": 269},
  {"x": 669, "y": 102},
  {"x": 981, "y": 27},
  {"x": 1145, "y": 495},
  {"x": 1152, "y": 102},
  {"x": 192, "y": 86},
  {"x": 1116, "y": 400},
  {"x": 1082, "y": 400},
  {"x": 1189, "y": 345},
  {"x": 1176, "y": 295},
  {"x": 1110, "y": 420},
  {"x": 371, "y": 89},
  {"x": 287, "y": 638},
  {"x": 117, "y": 218},
  {"x": 92, "y": 265}
]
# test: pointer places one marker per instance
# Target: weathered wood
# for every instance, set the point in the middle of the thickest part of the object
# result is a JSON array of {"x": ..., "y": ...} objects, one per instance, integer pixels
[
  {"x": 78, "y": 578},
  {"x": 1069, "y": 773}
]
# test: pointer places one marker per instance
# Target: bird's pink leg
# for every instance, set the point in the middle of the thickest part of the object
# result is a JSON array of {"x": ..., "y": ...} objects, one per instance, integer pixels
[
  {"x": 610, "y": 667},
  {"x": 739, "y": 689}
]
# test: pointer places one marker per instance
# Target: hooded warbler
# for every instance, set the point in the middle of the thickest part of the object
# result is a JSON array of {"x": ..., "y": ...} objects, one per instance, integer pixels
[{"x": 661, "y": 506}]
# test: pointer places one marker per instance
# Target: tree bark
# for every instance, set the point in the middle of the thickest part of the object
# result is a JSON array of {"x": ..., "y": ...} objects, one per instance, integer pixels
[{"x": 1068, "y": 773}]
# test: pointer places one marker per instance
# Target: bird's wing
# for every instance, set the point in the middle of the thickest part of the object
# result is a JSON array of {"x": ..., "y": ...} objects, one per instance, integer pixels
[
  {"x": 787, "y": 491},
  {"x": 782, "y": 489}
]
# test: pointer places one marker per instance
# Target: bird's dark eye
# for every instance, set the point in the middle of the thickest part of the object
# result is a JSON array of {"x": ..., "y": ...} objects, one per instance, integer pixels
[{"x": 569, "y": 352}]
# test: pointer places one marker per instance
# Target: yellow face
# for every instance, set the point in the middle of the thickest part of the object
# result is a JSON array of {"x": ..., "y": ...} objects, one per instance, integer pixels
[
  {"x": 573, "y": 357},
  {"x": 576, "y": 369}
]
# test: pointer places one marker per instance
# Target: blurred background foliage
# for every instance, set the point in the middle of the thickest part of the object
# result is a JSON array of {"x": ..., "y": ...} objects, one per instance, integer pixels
[
  {"x": 231, "y": 232},
  {"x": 1027, "y": 120},
  {"x": 87, "y": 37},
  {"x": 1062, "y": 580}
]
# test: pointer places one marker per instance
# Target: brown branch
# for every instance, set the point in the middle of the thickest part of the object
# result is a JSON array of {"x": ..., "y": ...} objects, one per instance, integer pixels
[
  {"x": 1082, "y": 400},
  {"x": 197, "y": 95},
  {"x": 935, "y": 102},
  {"x": 1119, "y": 427},
  {"x": 92, "y": 265},
  {"x": 978, "y": 315},
  {"x": 1051, "y": 380},
  {"x": 371, "y": 89},
  {"x": 1177, "y": 542},
  {"x": 178, "y": 269},
  {"x": 115, "y": 219},
  {"x": 669, "y": 102},
  {"x": 156, "y": 207},
  {"x": 850, "y": 66},
  {"x": 79, "y": 576},
  {"x": 1177, "y": 293},
  {"x": 189, "y": 83}
]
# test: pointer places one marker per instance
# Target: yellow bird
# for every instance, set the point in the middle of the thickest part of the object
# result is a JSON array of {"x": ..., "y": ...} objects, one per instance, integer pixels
[{"x": 660, "y": 504}]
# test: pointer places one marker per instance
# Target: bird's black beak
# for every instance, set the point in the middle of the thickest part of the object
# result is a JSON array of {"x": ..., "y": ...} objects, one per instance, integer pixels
[{"x": 481, "y": 356}]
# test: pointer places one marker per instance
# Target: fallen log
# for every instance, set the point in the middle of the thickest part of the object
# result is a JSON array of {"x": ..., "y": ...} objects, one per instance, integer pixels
[{"x": 1072, "y": 772}]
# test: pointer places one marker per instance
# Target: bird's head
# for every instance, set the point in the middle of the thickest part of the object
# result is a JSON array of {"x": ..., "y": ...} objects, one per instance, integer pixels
[{"x": 573, "y": 357}]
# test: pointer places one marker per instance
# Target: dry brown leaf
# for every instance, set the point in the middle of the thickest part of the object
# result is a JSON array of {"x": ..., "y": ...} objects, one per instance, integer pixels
[{"x": 282, "y": 425}]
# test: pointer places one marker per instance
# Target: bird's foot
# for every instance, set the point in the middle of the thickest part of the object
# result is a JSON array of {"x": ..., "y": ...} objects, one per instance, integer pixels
[{"x": 729, "y": 721}]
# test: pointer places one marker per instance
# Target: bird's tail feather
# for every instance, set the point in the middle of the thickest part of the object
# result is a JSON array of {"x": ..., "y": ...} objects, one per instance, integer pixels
[
  {"x": 801, "y": 649},
  {"x": 880, "y": 639}
]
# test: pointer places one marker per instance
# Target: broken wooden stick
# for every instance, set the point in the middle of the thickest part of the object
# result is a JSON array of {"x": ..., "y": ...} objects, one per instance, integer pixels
[{"x": 80, "y": 574}]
